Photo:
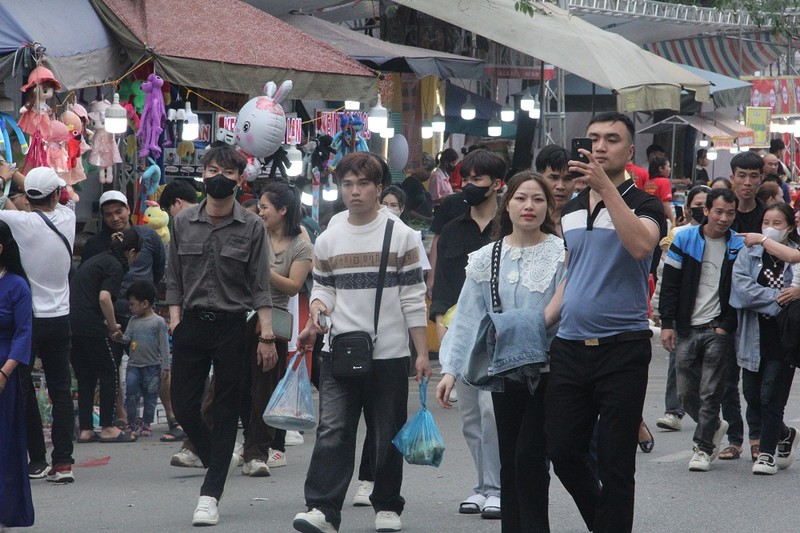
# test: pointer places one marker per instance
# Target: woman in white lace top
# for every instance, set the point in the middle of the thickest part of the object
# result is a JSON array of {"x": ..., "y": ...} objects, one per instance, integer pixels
[{"x": 531, "y": 268}]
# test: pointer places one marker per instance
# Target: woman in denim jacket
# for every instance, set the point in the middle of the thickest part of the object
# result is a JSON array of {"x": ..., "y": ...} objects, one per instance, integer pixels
[
  {"x": 762, "y": 276},
  {"x": 531, "y": 268}
]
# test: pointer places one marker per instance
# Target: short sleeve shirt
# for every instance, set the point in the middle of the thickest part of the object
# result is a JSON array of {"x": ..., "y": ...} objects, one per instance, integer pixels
[
  {"x": 103, "y": 272},
  {"x": 606, "y": 290},
  {"x": 281, "y": 263},
  {"x": 661, "y": 188}
]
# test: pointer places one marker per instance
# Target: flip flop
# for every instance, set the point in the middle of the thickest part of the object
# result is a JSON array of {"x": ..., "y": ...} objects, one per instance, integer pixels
[
  {"x": 472, "y": 505},
  {"x": 729, "y": 454},
  {"x": 491, "y": 510},
  {"x": 173, "y": 435},
  {"x": 94, "y": 438},
  {"x": 755, "y": 450},
  {"x": 122, "y": 437}
]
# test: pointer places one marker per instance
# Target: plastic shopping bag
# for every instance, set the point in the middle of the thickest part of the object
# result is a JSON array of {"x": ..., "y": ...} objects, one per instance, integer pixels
[
  {"x": 292, "y": 405},
  {"x": 419, "y": 440}
]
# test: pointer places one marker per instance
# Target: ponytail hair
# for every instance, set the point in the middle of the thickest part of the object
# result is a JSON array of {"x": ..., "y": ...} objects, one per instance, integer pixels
[
  {"x": 123, "y": 242},
  {"x": 10, "y": 258}
]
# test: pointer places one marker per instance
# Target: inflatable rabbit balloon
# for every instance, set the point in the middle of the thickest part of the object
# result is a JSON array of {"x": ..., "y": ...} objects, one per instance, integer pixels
[{"x": 261, "y": 123}]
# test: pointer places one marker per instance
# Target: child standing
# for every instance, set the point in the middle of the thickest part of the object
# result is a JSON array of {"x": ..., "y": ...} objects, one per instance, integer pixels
[{"x": 148, "y": 359}]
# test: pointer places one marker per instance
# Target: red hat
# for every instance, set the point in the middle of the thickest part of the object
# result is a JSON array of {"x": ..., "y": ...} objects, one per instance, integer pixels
[{"x": 40, "y": 75}]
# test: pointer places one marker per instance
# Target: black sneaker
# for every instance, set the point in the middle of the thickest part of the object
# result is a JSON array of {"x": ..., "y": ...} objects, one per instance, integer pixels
[
  {"x": 38, "y": 469},
  {"x": 786, "y": 450}
]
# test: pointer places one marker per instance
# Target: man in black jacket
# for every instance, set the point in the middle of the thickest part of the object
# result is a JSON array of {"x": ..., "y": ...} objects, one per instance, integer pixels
[{"x": 694, "y": 302}]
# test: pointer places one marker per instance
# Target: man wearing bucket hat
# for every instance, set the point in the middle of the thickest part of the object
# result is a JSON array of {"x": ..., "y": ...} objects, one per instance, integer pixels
[{"x": 45, "y": 236}]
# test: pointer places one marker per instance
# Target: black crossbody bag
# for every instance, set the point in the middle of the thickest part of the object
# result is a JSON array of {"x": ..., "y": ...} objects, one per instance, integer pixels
[{"x": 351, "y": 352}]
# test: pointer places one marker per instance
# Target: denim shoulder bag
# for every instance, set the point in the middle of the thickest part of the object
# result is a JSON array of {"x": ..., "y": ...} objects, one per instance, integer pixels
[{"x": 351, "y": 352}]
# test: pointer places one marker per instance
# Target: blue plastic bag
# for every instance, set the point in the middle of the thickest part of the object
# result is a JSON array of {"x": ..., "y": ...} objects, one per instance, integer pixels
[
  {"x": 291, "y": 406},
  {"x": 419, "y": 440}
]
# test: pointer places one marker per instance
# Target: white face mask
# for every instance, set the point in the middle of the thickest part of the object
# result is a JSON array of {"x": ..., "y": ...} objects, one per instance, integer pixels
[
  {"x": 777, "y": 235},
  {"x": 395, "y": 212}
]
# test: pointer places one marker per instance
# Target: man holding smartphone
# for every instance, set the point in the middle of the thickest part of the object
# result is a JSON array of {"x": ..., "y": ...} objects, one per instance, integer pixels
[{"x": 599, "y": 359}]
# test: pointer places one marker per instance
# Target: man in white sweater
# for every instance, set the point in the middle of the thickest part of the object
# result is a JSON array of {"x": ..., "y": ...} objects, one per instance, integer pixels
[{"x": 346, "y": 265}]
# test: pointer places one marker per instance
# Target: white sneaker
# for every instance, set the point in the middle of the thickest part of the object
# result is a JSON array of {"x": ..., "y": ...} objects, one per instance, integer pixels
[
  {"x": 276, "y": 458},
  {"x": 765, "y": 465},
  {"x": 717, "y": 439},
  {"x": 313, "y": 521},
  {"x": 206, "y": 514},
  {"x": 669, "y": 421},
  {"x": 239, "y": 450},
  {"x": 255, "y": 468},
  {"x": 186, "y": 458},
  {"x": 294, "y": 438},
  {"x": 363, "y": 492},
  {"x": 387, "y": 521},
  {"x": 700, "y": 462},
  {"x": 786, "y": 450}
]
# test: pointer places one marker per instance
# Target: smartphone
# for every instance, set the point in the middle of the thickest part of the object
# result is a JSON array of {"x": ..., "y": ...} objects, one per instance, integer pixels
[
  {"x": 678, "y": 211},
  {"x": 323, "y": 321},
  {"x": 578, "y": 143}
]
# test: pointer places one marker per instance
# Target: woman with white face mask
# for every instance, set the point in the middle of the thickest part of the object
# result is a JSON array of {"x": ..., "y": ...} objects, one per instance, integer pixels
[{"x": 764, "y": 281}]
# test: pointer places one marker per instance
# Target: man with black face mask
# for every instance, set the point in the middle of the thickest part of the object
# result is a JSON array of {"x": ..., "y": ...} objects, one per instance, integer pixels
[
  {"x": 218, "y": 270},
  {"x": 482, "y": 173}
]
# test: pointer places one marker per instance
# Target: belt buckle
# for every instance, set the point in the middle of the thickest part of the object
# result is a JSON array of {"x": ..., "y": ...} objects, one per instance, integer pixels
[
  {"x": 591, "y": 342},
  {"x": 208, "y": 316}
]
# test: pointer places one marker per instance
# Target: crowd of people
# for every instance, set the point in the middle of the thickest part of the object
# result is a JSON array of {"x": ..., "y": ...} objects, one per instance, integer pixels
[{"x": 553, "y": 265}]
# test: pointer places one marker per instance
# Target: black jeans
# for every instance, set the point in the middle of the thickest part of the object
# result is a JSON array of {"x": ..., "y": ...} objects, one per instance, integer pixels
[
  {"x": 524, "y": 470},
  {"x": 585, "y": 382},
  {"x": 51, "y": 343},
  {"x": 766, "y": 393},
  {"x": 196, "y": 345},
  {"x": 732, "y": 406},
  {"x": 93, "y": 361},
  {"x": 383, "y": 397},
  {"x": 701, "y": 362}
]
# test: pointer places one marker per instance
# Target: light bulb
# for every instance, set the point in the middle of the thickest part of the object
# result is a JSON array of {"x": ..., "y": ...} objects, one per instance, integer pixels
[
  {"x": 115, "y": 117},
  {"x": 526, "y": 103},
  {"x": 295, "y": 157},
  {"x": 306, "y": 199},
  {"x": 507, "y": 113},
  {"x": 536, "y": 110},
  {"x": 468, "y": 110},
  {"x": 330, "y": 193},
  {"x": 703, "y": 142},
  {"x": 191, "y": 126},
  {"x": 378, "y": 117},
  {"x": 352, "y": 105},
  {"x": 734, "y": 148},
  {"x": 427, "y": 129},
  {"x": 387, "y": 133},
  {"x": 495, "y": 128},
  {"x": 711, "y": 154},
  {"x": 438, "y": 123}
]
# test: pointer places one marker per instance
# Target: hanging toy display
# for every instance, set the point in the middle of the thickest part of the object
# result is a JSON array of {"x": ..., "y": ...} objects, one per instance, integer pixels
[
  {"x": 153, "y": 117},
  {"x": 105, "y": 152},
  {"x": 349, "y": 138},
  {"x": 148, "y": 186},
  {"x": 261, "y": 127},
  {"x": 158, "y": 219},
  {"x": 55, "y": 147},
  {"x": 76, "y": 147},
  {"x": 7, "y": 121},
  {"x": 35, "y": 114}
]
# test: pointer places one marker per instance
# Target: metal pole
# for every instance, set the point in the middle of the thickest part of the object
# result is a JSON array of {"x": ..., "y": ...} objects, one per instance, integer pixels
[{"x": 672, "y": 161}]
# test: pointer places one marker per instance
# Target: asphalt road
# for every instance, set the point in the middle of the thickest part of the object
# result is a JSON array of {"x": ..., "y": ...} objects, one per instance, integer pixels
[{"x": 132, "y": 487}]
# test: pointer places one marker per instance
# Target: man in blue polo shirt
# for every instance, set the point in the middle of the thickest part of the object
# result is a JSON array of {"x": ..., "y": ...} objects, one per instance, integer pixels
[{"x": 600, "y": 357}]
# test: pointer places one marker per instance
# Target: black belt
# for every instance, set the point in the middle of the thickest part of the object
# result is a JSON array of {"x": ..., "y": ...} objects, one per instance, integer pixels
[
  {"x": 619, "y": 337},
  {"x": 213, "y": 316},
  {"x": 708, "y": 325}
]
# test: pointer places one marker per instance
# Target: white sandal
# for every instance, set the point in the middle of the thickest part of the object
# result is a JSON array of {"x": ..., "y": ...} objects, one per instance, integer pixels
[{"x": 472, "y": 505}]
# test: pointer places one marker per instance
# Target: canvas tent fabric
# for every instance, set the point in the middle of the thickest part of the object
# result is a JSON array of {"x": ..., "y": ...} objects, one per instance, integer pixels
[
  {"x": 642, "y": 81},
  {"x": 389, "y": 57},
  {"x": 485, "y": 109},
  {"x": 80, "y": 49},
  {"x": 720, "y": 137},
  {"x": 253, "y": 49}
]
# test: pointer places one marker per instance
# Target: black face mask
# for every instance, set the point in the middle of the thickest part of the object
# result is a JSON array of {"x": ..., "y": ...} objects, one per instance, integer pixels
[
  {"x": 475, "y": 195},
  {"x": 698, "y": 214},
  {"x": 219, "y": 187}
]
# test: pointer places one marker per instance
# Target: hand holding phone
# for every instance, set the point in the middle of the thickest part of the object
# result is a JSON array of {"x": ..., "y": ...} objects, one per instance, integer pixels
[
  {"x": 581, "y": 143},
  {"x": 323, "y": 321}
]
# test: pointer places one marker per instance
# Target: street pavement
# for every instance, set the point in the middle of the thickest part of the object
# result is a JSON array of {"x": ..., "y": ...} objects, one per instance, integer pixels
[{"x": 132, "y": 487}]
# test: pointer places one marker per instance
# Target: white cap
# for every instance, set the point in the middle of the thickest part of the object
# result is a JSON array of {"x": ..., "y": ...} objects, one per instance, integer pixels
[
  {"x": 42, "y": 181},
  {"x": 113, "y": 196}
]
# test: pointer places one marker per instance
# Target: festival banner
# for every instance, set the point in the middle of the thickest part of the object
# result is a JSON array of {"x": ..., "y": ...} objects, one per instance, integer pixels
[
  {"x": 758, "y": 118},
  {"x": 780, "y": 94},
  {"x": 328, "y": 122}
]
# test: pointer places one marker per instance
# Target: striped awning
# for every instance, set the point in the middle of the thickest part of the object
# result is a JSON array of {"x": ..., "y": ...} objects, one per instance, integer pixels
[{"x": 720, "y": 53}]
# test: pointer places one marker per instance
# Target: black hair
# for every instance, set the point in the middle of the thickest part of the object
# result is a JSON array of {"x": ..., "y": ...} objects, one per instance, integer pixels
[
  {"x": 397, "y": 192},
  {"x": 45, "y": 200},
  {"x": 654, "y": 148},
  {"x": 768, "y": 189},
  {"x": 774, "y": 178},
  {"x": 747, "y": 161},
  {"x": 143, "y": 291},
  {"x": 177, "y": 189},
  {"x": 789, "y": 214},
  {"x": 10, "y": 258},
  {"x": 552, "y": 156},
  {"x": 502, "y": 222},
  {"x": 225, "y": 156},
  {"x": 250, "y": 202},
  {"x": 448, "y": 155},
  {"x": 727, "y": 195},
  {"x": 122, "y": 242},
  {"x": 613, "y": 116},
  {"x": 726, "y": 181},
  {"x": 655, "y": 166},
  {"x": 483, "y": 162},
  {"x": 776, "y": 145},
  {"x": 362, "y": 164},
  {"x": 281, "y": 195},
  {"x": 694, "y": 191},
  {"x": 701, "y": 154}
]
